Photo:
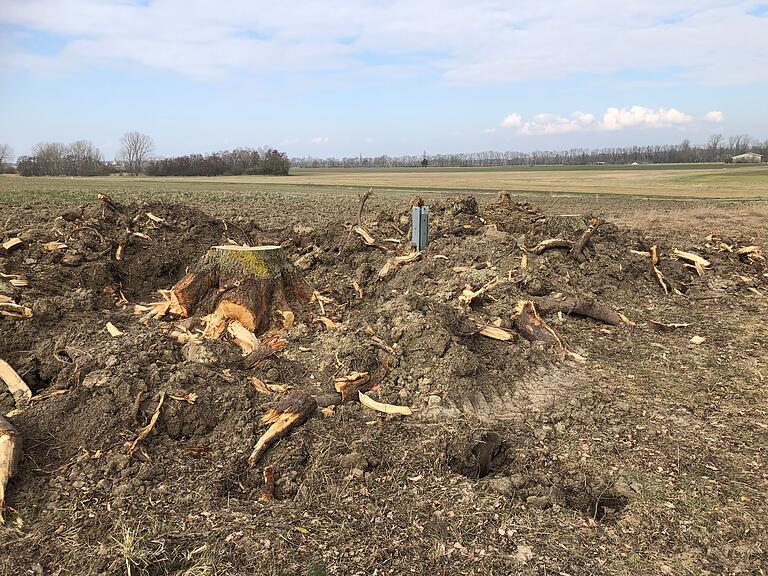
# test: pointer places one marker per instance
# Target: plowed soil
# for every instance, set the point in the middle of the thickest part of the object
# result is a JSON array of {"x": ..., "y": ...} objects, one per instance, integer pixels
[{"x": 647, "y": 457}]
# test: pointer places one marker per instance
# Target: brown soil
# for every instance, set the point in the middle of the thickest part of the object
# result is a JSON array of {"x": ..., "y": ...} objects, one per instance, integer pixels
[{"x": 648, "y": 458}]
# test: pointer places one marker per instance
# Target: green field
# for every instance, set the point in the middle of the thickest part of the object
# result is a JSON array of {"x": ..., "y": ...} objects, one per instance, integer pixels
[{"x": 710, "y": 182}]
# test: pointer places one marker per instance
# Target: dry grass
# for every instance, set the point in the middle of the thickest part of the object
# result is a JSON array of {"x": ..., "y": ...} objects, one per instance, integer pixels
[{"x": 746, "y": 222}]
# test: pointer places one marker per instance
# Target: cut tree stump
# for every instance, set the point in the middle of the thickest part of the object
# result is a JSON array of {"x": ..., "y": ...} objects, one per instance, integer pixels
[
  {"x": 10, "y": 452},
  {"x": 238, "y": 283}
]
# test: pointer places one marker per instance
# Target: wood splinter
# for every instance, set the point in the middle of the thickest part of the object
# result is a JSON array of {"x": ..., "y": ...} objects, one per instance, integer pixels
[
  {"x": 290, "y": 412},
  {"x": 267, "y": 492},
  {"x": 10, "y": 453},
  {"x": 16, "y": 386}
]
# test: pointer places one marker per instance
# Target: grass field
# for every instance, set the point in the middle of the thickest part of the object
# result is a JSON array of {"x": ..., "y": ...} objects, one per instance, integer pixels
[{"x": 708, "y": 182}]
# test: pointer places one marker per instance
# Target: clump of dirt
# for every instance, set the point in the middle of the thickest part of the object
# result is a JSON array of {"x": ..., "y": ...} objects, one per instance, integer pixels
[{"x": 408, "y": 321}]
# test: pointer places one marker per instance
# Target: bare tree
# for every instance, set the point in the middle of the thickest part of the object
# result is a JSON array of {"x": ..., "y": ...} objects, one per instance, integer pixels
[
  {"x": 713, "y": 145},
  {"x": 6, "y": 154},
  {"x": 135, "y": 150}
]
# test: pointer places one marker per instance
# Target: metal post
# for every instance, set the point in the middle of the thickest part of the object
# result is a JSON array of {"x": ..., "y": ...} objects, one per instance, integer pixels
[{"x": 420, "y": 227}]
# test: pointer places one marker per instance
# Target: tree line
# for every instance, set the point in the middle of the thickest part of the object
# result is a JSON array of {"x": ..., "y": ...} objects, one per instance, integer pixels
[
  {"x": 717, "y": 149},
  {"x": 243, "y": 161},
  {"x": 82, "y": 158}
]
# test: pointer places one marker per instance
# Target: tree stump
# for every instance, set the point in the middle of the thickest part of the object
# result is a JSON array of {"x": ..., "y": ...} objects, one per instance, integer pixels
[{"x": 239, "y": 283}]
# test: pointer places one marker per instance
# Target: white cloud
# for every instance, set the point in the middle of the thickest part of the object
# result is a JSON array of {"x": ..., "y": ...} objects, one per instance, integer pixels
[
  {"x": 552, "y": 124},
  {"x": 320, "y": 140},
  {"x": 479, "y": 42},
  {"x": 512, "y": 121},
  {"x": 612, "y": 119},
  {"x": 642, "y": 117},
  {"x": 714, "y": 116}
]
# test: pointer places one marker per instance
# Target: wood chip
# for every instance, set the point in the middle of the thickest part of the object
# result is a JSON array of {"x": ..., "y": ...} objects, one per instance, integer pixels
[
  {"x": 665, "y": 326},
  {"x": 265, "y": 388},
  {"x": 396, "y": 262},
  {"x": 328, "y": 323},
  {"x": 12, "y": 244},
  {"x": 369, "y": 402},
  {"x": 695, "y": 259},
  {"x": 495, "y": 333},
  {"x": 241, "y": 336},
  {"x": 114, "y": 331},
  {"x": 13, "y": 310},
  {"x": 155, "y": 219},
  {"x": 358, "y": 290},
  {"x": 697, "y": 340},
  {"x": 19, "y": 282},
  {"x": 468, "y": 294},
  {"x": 53, "y": 246},
  {"x": 365, "y": 235},
  {"x": 288, "y": 319},
  {"x": 182, "y": 396}
]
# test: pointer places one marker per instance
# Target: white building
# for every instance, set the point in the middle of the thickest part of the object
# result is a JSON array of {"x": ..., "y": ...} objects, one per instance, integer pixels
[{"x": 747, "y": 158}]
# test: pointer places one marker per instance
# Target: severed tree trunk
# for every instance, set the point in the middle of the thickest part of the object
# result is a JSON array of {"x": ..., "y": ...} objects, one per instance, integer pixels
[{"x": 239, "y": 283}]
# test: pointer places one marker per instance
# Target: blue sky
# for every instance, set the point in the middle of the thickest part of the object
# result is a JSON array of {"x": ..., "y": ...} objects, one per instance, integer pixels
[{"x": 339, "y": 78}]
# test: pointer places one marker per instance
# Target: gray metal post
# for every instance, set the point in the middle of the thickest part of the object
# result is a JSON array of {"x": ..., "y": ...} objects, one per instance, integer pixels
[{"x": 420, "y": 227}]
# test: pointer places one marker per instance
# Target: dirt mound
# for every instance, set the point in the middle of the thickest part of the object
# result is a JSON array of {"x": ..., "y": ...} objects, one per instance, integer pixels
[{"x": 419, "y": 322}]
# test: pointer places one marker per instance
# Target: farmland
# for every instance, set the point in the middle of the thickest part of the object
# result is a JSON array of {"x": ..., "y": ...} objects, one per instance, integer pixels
[
  {"x": 703, "y": 182},
  {"x": 630, "y": 442}
]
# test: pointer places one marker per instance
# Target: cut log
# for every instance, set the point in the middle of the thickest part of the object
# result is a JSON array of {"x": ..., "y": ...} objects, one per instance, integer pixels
[
  {"x": 239, "y": 283},
  {"x": 578, "y": 247},
  {"x": 10, "y": 453},
  {"x": 581, "y": 307},
  {"x": 290, "y": 412}
]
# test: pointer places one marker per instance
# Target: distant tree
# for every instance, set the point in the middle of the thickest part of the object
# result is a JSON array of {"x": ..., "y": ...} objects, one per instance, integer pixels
[
  {"x": 6, "y": 154},
  {"x": 713, "y": 145},
  {"x": 79, "y": 158},
  {"x": 135, "y": 150},
  {"x": 84, "y": 159},
  {"x": 739, "y": 143},
  {"x": 234, "y": 163},
  {"x": 49, "y": 157}
]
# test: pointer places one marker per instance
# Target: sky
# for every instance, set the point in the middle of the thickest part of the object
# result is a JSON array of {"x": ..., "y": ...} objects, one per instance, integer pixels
[{"x": 342, "y": 78}]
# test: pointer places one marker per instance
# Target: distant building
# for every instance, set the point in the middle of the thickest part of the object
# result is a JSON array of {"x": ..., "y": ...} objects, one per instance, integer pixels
[{"x": 747, "y": 158}]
